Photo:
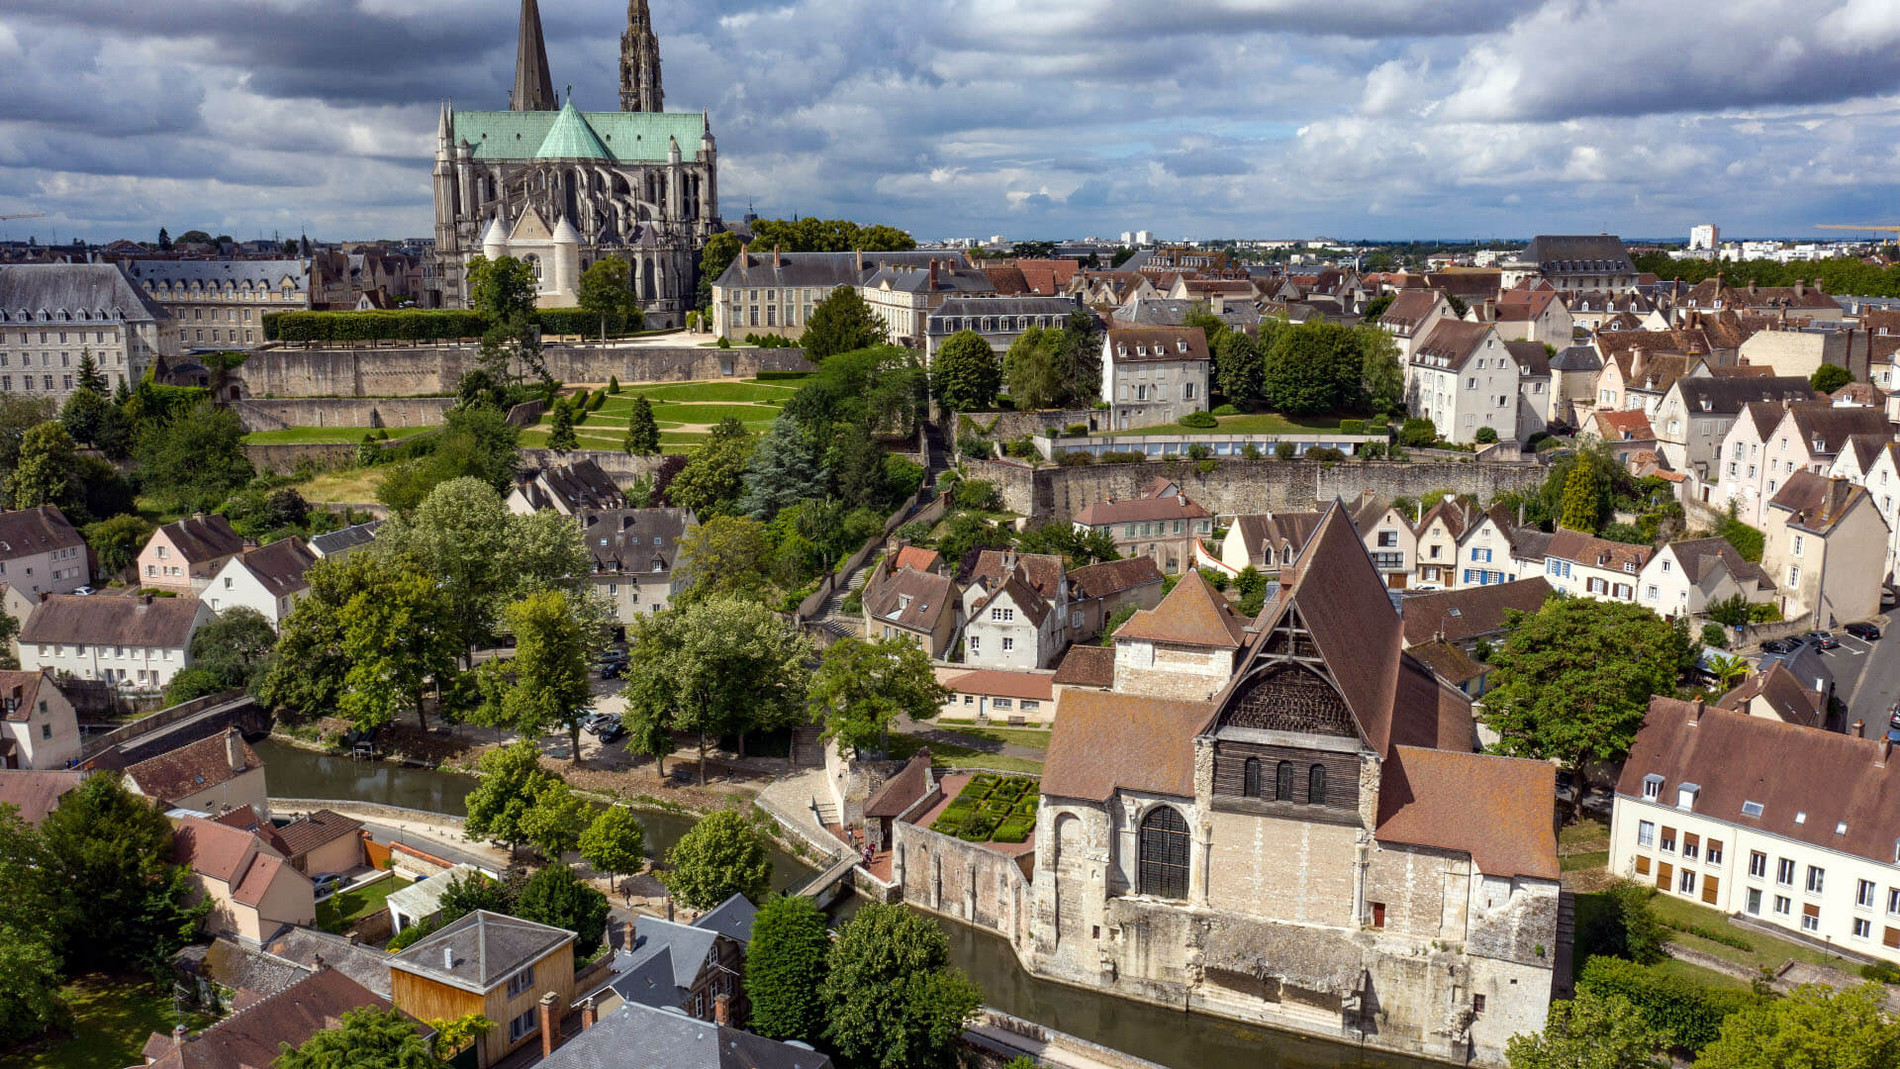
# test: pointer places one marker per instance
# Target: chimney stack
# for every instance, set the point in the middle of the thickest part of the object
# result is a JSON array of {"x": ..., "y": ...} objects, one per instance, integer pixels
[
  {"x": 589, "y": 1014},
  {"x": 778, "y": 260},
  {"x": 722, "y": 1010},
  {"x": 858, "y": 254},
  {"x": 1886, "y": 751},
  {"x": 448, "y": 958},
  {"x": 1800, "y": 287},
  {"x": 178, "y": 1035},
  {"x": 1860, "y": 729},
  {"x": 548, "y": 1023},
  {"x": 234, "y": 749},
  {"x": 1695, "y": 714}
]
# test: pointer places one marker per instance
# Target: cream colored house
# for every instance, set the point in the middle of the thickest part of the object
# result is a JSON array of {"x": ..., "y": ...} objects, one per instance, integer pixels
[
  {"x": 41, "y": 553},
  {"x": 1881, "y": 476},
  {"x": 137, "y": 643},
  {"x": 1804, "y": 436},
  {"x": 254, "y": 890},
  {"x": 920, "y": 607},
  {"x": 1696, "y": 414},
  {"x": 1183, "y": 648},
  {"x": 1410, "y": 318},
  {"x": 212, "y": 776},
  {"x": 1685, "y": 578},
  {"x": 1583, "y": 565},
  {"x": 1438, "y": 533},
  {"x": 1462, "y": 378},
  {"x": 267, "y": 579},
  {"x": 1825, "y": 544},
  {"x": 38, "y": 728}
]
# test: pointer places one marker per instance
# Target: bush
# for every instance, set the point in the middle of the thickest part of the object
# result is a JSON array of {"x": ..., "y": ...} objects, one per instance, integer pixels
[
  {"x": 613, "y": 382},
  {"x": 1120, "y": 456},
  {"x": 1352, "y": 426},
  {"x": 1688, "y": 1013},
  {"x": 1076, "y": 430},
  {"x": 1200, "y": 451},
  {"x": 599, "y": 398},
  {"x": 1723, "y": 936},
  {"x": 972, "y": 446},
  {"x": 1324, "y": 452},
  {"x": 1250, "y": 451},
  {"x": 414, "y": 933},
  {"x": 1227, "y": 410},
  {"x": 1203, "y": 420},
  {"x": 1215, "y": 578},
  {"x": 977, "y": 494},
  {"x": 418, "y": 324},
  {"x": 1486, "y": 435},
  {"x": 1285, "y": 450},
  {"x": 1073, "y": 458},
  {"x": 1882, "y": 972},
  {"x": 1418, "y": 433},
  {"x": 1713, "y": 635}
]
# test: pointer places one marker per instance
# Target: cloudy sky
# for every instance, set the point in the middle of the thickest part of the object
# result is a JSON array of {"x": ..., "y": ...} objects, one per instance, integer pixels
[{"x": 1194, "y": 118}]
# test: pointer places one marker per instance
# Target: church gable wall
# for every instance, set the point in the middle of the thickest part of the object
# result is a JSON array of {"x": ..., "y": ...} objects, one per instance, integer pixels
[
  {"x": 1186, "y": 673},
  {"x": 1341, "y": 800},
  {"x": 1290, "y": 870}
]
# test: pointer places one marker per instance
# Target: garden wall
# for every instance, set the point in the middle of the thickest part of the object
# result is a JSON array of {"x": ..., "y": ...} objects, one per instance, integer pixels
[
  {"x": 1008, "y": 426},
  {"x": 1245, "y": 486},
  {"x": 423, "y": 370},
  {"x": 270, "y": 415},
  {"x": 968, "y": 881}
]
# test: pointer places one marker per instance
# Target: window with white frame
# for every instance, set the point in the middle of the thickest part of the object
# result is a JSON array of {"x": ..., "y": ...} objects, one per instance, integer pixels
[
  {"x": 1864, "y": 894},
  {"x": 1784, "y": 871},
  {"x": 1652, "y": 786},
  {"x": 1817, "y": 877},
  {"x": 1645, "y": 833},
  {"x": 1782, "y": 904}
]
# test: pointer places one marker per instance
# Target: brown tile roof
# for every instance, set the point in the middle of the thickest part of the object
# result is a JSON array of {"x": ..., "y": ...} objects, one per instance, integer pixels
[
  {"x": 1824, "y": 426},
  {"x": 1625, "y": 425},
  {"x": 1007, "y": 281},
  {"x": 1086, "y": 666},
  {"x": 912, "y": 599},
  {"x": 1032, "y": 604},
  {"x": 313, "y": 830},
  {"x": 1859, "y": 393},
  {"x": 1448, "y": 662},
  {"x": 1598, "y": 552},
  {"x": 1112, "y": 577},
  {"x": 902, "y": 790},
  {"x": 18, "y": 692},
  {"x": 1817, "y": 503},
  {"x": 214, "y": 849},
  {"x": 1451, "y": 341},
  {"x": 1105, "y": 741},
  {"x": 1467, "y": 284},
  {"x": 280, "y": 566},
  {"x": 1826, "y": 779},
  {"x": 1743, "y": 371},
  {"x": 1700, "y": 556},
  {"x": 1621, "y": 345},
  {"x": 1035, "y": 686},
  {"x": 203, "y": 538},
  {"x": 37, "y": 793},
  {"x": 1792, "y": 702},
  {"x": 1193, "y": 614},
  {"x": 1448, "y": 510},
  {"x": 1409, "y": 309},
  {"x": 1140, "y": 509},
  {"x": 1467, "y": 613},
  {"x": 1499, "y": 810},
  {"x": 263, "y": 871},
  {"x": 190, "y": 768},
  {"x": 256, "y": 1036},
  {"x": 36, "y": 530},
  {"x": 1136, "y": 344},
  {"x": 163, "y": 623},
  {"x": 1042, "y": 571},
  {"x": 1281, "y": 530}
]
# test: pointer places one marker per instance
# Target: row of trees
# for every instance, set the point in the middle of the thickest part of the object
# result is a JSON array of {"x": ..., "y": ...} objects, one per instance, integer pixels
[
  {"x": 1304, "y": 368},
  {"x": 794, "y": 235}
]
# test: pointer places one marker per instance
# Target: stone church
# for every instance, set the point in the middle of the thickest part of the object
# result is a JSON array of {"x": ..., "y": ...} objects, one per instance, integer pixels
[
  {"x": 560, "y": 188},
  {"x": 1285, "y": 821}
]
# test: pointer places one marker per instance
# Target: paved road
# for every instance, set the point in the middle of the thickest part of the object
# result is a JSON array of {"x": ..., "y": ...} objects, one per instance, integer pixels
[{"x": 1867, "y": 677}]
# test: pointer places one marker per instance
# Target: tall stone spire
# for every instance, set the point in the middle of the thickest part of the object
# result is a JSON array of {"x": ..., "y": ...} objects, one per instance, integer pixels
[
  {"x": 534, "y": 85},
  {"x": 640, "y": 62}
]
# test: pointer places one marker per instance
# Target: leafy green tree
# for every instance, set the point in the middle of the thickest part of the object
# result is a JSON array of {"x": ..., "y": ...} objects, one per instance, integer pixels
[
  {"x": 785, "y": 468},
  {"x": 20, "y": 413},
  {"x": 785, "y": 969},
  {"x": 545, "y": 685},
  {"x": 476, "y": 442},
  {"x": 46, "y": 471},
  {"x": 139, "y": 909},
  {"x": 650, "y": 731},
  {"x": 308, "y": 673},
  {"x": 605, "y": 291},
  {"x": 810, "y": 234},
  {"x": 1035, "y": 370},
  {"x": 1829, "y": 377},
  {"x": 1812, "y": 1027},
  {"x": 546, "y": 551},
  {"x": 857, "y": 467},
  {"x": 1382, "y": 380},
  {"x": 164, "y": 240},
  {"x": 31, "y": 1002},
  {"x": 1582, "y": 493},
  {"x": 473, "y": 891},
  {"x": 366, "y": 1038},
  {"x": 399, "y": 639},
  {"x": 234, "y": 647},
  {"x": 714, "y": 477},
  {"x": 458, "y": 537},
  {"x": 561, "y": 436},
  {"x": 862, "y": 686},
  {"x": 643, "y": 431},
  {"x": 965, "y": 374},
  {"x": 557, "y": 897},
  {"x": 1200, "y": 316},
  {"x": 1574, "y": 680},
  {"x": 503, "y": 289},
  {"x": 1238, "y": 367},
  {"x": 1590, "y": 1031},
  {"x": 1732, "y": 610},
  {"x": 1077, "y": 550},
  {"x": 892, "y": 998},
  {"x": 721, "y": 249},
  {"x": 1312, "y": 368},
  {"x": 453, "y": 1035},
  {"x": 716, "y": 667},
  {"x": 512, "y": 778},
  {"x": 554, "y": 823},
  {"x": 719, "y": 857},
  {"x": 84, "y": 415},
  {"x": 1252, "y": 588},
  {"x": 193, "y": 460},
  {"x": 725, "y": 557},
  {"x": 841, "y": 323},
  {"x": 614, "y": 843}
]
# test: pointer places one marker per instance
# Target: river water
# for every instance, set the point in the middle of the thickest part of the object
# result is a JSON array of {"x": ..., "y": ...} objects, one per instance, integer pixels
[{"x": 1160, "y": 1035}]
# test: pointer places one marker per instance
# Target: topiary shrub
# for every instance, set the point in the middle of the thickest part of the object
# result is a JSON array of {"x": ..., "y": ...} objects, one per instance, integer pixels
[
  {"x": 1486, "y": 435},
  {"x": 1202, "y": 420},
  {"x": 1352, "y": 426},
  {"x": 1227, "y": 410},
  {"x": 1076, "y": 430},
  {"x": 1286, "y": 450}
]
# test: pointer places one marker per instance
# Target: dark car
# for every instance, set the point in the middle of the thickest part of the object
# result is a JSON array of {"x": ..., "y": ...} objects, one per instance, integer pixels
[
  {"x": 611, "y": 664},
  {"x": 1822, "y": 640},
  {"x": 1780, "y": 645},
  {"x": 1864, "y": 631},
  {"x": 606, "y": 726}
]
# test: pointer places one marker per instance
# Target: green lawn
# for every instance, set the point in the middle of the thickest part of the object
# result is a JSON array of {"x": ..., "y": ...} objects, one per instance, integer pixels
[
  {"x": 339, "y": 911},
  {"x": 713, "y": 392},
  {"x": 113, "y": 1017},
  {"x": 950, "y": 755},
  {"x": 1593, "y": 859},
  {"x": 324, "y": 435},
  {"x": 1253, "y": 423},
  {"x": 675, "y": 405},
  {"x": 1036, "y": 737}
]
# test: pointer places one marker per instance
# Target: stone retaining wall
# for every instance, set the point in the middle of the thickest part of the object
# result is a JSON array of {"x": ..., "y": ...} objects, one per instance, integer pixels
[
  {"x": 434, "y": 370},
  {"x": 366, "y": 412}
]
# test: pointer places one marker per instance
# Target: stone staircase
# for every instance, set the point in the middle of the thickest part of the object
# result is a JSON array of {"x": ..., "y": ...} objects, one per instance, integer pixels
[
  {"x": 832, "y": 619},
  {"x": 825, "y": 810},
  {"x": 1566, "y": 944}
]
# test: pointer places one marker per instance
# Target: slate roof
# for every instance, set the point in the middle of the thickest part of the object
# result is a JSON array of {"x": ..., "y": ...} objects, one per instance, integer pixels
[
  {"x": 812, "y": 269},
  {"x": 191, "y": 768},
  {"x": 487, "y": 949},
  {"x": 1576, "y": 358},
  {"x": 1086, "y": 666},
  {"x": 1782, "y": 693},
  {"x": 942, "y": 320},
  {"x": 576, "y": 485},
  {"x": 952, "y": 273},
  {"x": 360, "y": 534},
  {"x": 306, "y": 946},
  {"x": 1042, "y": 571},
  {"x": 1497, "y": 809},
  {"x": 203, "y": 538},
  {"x": 280, "y": 566},
  {"x": 1169, "y": 312},
  {"x": 1107, "y": 578},
  {"x": 1280, "y": 530},
  {"x": 256, "y": 1036},
  {"x": 1193, "y": 614},
  {"x": 1467, "y": 284},
  {"x": 1727, "y": 394},
  {"x": 635, "y": 541},
  {"x": 666, "y": 957},
  {"x": 911, "y": 599},
  {"x": 1452, "y": 341},
  {"x": 1580, "y": 254},
  {"x": 216, "y": 274},
  {"x": 1846, "y": 796},
  {"x": 636, "y": 1035},
  {"x": 1104, "y": 742},
  {"x": 1817, "y": 503},
  {"x": 77, "y": 293},
  {"x": 1138, "y": 344},
  {"x": 1824, "y": 427},
  {"x": 1469, "y": 612},
  {"x": 36, "y": 530},
  {"x": 37, "y": 793},
  {"x": 1700, "y": 556}
]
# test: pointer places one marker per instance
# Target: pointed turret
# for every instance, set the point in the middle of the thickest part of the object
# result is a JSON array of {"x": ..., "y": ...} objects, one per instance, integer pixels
[
  {"x": 534, "y": 84},
  {"x": 640, "y": 62}
]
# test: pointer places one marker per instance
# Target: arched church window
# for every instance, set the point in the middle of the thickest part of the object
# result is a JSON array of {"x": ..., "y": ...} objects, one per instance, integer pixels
[
  {"x": 1163, "y": 865},
  {"x": 1316, "y": 785},
  {"x": 1250, "y": 785},
  {"x": 1283, "y": 782}
]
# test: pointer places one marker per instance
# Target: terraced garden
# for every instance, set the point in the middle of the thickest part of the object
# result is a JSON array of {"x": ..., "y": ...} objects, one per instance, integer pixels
[
  {"x": 991, "y": 808},
  {"x": 685, "y": 411}
]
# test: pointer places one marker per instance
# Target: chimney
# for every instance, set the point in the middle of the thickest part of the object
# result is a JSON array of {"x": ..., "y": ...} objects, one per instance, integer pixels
[
  {"x": 1751, "y": 287},
  {"x": 1490, "y": 310},
  {"x": 933, "y": 274},
  {"x": 1695, "y": 715},
  {"x": 628, "y": 944},
  {"x": 1860, "y": 729},
  {"x": 858, "y": 254},
  {"x": 588, "y": 1014},
  {"x": 234, "y": 749},
  {"x": 448, "y": 958},
  {"x": 178, "y": 1035},
  {"x": 1800, "y": 287},
  {"x": 722, "y": 1010},
  {"x": 145, "y": 600},
  {"x": 317, "y": 960},
  {"x": 778, "y": 260},
  {"x": 548, "y": 1023}
]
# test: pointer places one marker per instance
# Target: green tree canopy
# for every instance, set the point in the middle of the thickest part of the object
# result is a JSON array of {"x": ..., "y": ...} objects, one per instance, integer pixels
[
  {"x": 1238, "y": 366},
  {"x": 643, "y": 431},
  {"x": 615, "y": 843},
  {"x": 561, "y": 436},
  {"x": 554, "y": 823},
  {"x": 606, "y": 292},
  {"x": 557, "y": 897},
  {"x": 512, "y": 779},
  {"x": 1590, "y": 1032},
  {"x": 892, "y": 998},
  {"x": 841, "y": 323},
  {"x": 811, "y": 234},
  {"x": 720, "y": 857},
  {"x": 965, "y": 374},
  {"x": 721, "y": 249},
  {"x": 366, "y": 1038},
  {"x": 1830, "y": 377},
  {"x": 46, "y": 471},
  {"x": 31, "y": 1002},
  {"x": 862, "y": 686},
  {"x": 400, "y": 637},
  {"x": 1312, "y": 368},
  {"x": 503, "y": 289},
  {"x": 545, "y": 685},
  {"x": 713, "y": 479},
  {"x": 1812, "y": 1027},
  {"x": 785, "y": 969},
  {"x": 785, "y": 468},
  {"x": 194, "y": 459},
  {"x": 234, "y": 647},
  {"x": 1582, "y": 492},
  {"x": 725, "y": 557}
]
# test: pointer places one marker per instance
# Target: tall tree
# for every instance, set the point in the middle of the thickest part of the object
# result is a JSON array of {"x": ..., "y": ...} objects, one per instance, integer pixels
[
  {"x": 861, "y": 687},
  {"x": 1034, "y": 369},
  {"x": 785, "y": 969},
  {"x": 784, "y": 469},
  {"x": 1591, "y": 1031},
  {"x": 1574, "y": 680},
  {"x": 615, "y": 843},
  {"x": 234, "y": 647},
  {"x": 1313, "y": 368},
  {"x": 1580, "y": 502},
  {"x": 1381, "y": 380},
  {"x": 965, "y": 374},
  {"x": 512, "y": 778},
  {"x": 20, "y": 413},
  {"x": 713, "y": 478},
  {"x": 84, "y": 415},
  {"x": 399, "y": 638},
  {"x": 46, "y": 469},
  {"x": 195, "y": 458},
  {"x": 1814, "y": 1026},
  {"x": 725, "y": 557},
  {"x": 308, "y": 673},
  {"x": 365, "y": 1038},
  {"x": 893, "y": 1000},
  {"x": 31, "y": 1002},
  {"x": 458, "y": 536},
  {"x": 721, "y": 249},
  {"x": 719, "y": 857},
  {"x": 605, "y": 292},
  {"x": 841, "y": 323},
  {"x": 557, "y": 897},
  {"x": 554, "y": 823},
  {"x": 503, "y": 289},
  {"x": 643, "y": 431},
  {"x": 561, "y": 436},
  {"x": 545, "y": 685},
  {"x": 1237, "y": 367}
]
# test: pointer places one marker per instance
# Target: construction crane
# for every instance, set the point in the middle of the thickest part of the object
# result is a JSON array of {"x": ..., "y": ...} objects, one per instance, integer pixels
[
  {"x": 30, "y": 215},
  {"x": 1890, "y": 228}
]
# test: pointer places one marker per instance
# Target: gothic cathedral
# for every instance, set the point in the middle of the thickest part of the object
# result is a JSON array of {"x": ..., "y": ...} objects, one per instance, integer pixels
[{"x": 560, "y": 187}]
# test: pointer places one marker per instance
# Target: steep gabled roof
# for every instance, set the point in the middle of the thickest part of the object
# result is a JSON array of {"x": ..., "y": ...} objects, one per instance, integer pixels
[
  {"x": 1104, "y": 742},
  {"x": 1451, "y": 343},
  {"x": 1818, "y": 503},
  {"x": 36, "y": 530},
  {"x": 1193, "y": 614},
  {"x": 1783, "y": 693},
  {"x": 1824, "y": 426},
  {"x": 1497, "y": 809},
  {"x": 202, "y": 538},
  {"x": 256, "y": 1035},
  {"x": 1468, "y": 612},
  {"x": 1111, "y": 577}
]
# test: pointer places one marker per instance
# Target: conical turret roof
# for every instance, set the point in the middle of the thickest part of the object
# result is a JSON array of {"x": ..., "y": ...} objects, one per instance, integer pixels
[{"x": 570, "y": 138}]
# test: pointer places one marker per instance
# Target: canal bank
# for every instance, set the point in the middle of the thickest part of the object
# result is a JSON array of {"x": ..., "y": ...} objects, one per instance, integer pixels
[{"x": 1168, "y": 1037}]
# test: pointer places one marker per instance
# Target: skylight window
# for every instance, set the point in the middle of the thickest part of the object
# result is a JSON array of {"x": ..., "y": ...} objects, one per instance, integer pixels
[
  {"x": 1751, "y": 809},
  {"x": 1801, "y": 817}
]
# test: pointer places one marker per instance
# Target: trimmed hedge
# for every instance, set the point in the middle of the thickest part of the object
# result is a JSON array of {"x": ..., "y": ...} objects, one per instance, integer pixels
[
  {"x": 1199, "y": 419},
  {"x": 425, "y": 324},
  {"x": 1352, "y": 426},
  {"x": 1688, "y": 1013}
]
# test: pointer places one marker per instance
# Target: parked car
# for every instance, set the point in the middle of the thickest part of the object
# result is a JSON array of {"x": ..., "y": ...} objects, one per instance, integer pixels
[
  {"x": 1822, "y": 640},
  {"x": 606, "y": 727},
  {"x": 611, "y": 664},
  {"x": 327, "y": 883},
  {"x": 83, "y": 591},
  {"x": 1864, "y": 631},
  {"x": 1893, "y": 718},
  {"x": 590, "y": 718},
  {"x": 1780, "y": 645}
]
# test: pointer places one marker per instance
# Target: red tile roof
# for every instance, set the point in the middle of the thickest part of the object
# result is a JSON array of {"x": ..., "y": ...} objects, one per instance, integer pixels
[
  {"x": 1499, "y": 810},
  {"x": 1087, "y": 666},
  {"x": 1104, "y": 742},
  {"x": 1035, "y": 686},
  {"x": 1193, "y": 614}
]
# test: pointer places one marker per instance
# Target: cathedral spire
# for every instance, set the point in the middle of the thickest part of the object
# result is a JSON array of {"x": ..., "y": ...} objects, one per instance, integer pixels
[
  {"x": 640, "y": 62},
  {"x": 534, "y": 85}
]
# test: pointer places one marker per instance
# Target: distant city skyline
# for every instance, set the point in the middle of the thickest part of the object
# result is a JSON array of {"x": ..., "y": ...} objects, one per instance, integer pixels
[{"x": 1371, "y": 119}]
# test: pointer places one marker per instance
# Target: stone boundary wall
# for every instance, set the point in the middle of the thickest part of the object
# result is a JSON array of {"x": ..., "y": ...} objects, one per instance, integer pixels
[
  {"x": 624, "y": 468},
  {"x": 1239, "y": 486},
  {"x": 260, "y": 414},
  {"x": 434, "y": 370},
  {"x": 1008, "y": 426},
  {"x": 965, "y": 881},
  {"x": 284, "y": 458}
]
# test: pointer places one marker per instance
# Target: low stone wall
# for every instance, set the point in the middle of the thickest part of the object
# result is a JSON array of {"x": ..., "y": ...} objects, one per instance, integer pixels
[
  {"x": 1007, "y": 426},
  {"x": 285, "y": 458},
  {"x": 967, "y": 881},
  {"x": 1238, "y": 486},
  {"x": 434, "y": 370},
  {"x": 624, "y": 468},
  {"x": 366, "y": 412}
]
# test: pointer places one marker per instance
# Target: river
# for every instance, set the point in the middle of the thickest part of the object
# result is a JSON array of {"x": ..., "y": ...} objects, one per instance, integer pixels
[{"x": 1166, "y": 1036}]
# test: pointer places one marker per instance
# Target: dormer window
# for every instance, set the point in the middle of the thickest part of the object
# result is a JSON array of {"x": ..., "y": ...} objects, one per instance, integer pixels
[
  {"x": 1652, "y": 786},
  {"x": 1686, "y": 795}
]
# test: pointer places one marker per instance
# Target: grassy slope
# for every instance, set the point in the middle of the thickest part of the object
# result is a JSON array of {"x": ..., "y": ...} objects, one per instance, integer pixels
[
  {"x": 1253, "y": 423},
  {"x": 114, "y": 1016},
  {"x": 324, "y": 435},
  {"x": 339, "y": 911}
]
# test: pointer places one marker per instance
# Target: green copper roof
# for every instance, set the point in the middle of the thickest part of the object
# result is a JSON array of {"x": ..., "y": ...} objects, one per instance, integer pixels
[
  {"x": 622, "y": 136},
  {"x": 570, "y": 138}
]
